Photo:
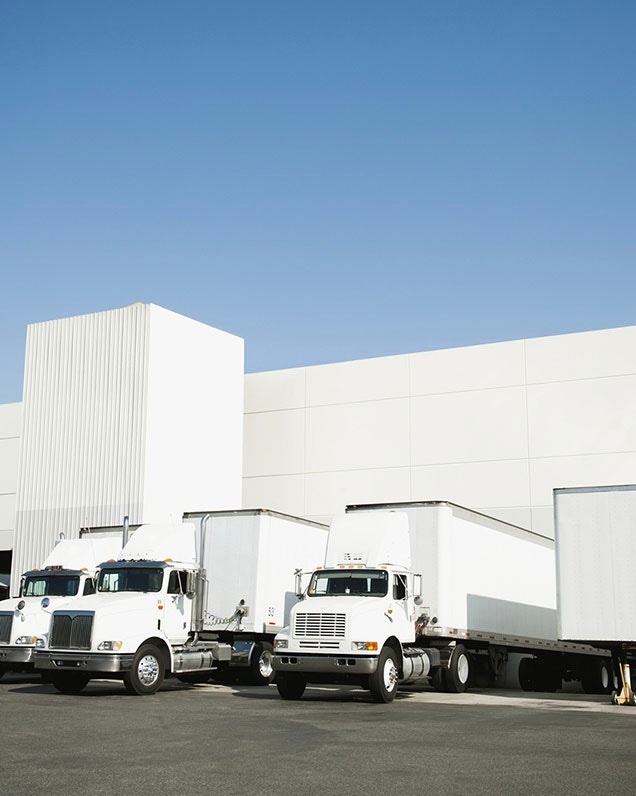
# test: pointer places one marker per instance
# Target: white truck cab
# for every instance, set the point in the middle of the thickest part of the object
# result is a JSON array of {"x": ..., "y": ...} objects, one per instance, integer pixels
[
  {"x": 67, "y": 573},
  {"x": 358, "y": 614}
]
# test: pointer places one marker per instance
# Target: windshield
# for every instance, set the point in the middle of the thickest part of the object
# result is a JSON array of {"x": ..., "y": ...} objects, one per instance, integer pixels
[
  {"x": 372, "y": 583},
  {"x": 130, "y": 579},
  {"x": 50, "y": 586}
]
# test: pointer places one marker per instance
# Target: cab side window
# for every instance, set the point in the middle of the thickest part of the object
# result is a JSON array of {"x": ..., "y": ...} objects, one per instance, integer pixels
[{"x": 399, "y": 587}]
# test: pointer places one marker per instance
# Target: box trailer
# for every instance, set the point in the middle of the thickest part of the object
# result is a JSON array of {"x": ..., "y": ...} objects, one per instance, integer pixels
[
  {"x": 431, "y": 590},
  {"x": 595, "y": 537},
  {"x": 187, "y": 600}
]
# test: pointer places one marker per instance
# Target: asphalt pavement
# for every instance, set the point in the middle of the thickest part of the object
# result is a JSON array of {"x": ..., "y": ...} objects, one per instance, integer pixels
[{"x": 240, "y": 740}]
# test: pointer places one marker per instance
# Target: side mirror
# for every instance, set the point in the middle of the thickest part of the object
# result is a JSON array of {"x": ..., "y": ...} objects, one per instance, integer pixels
[
  {"x": 298, "y": 583},
  {"x": 191, "y": 584}
]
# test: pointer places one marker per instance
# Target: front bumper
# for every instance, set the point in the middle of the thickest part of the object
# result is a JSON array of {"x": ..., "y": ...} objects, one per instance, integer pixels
[
  {"x": 324, "y": 664},
  {"x": 21, "y": 655},
  {"x": 93, "y": 662}
]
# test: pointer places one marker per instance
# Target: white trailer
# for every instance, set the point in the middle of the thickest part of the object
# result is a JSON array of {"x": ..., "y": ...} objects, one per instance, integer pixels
[
  {"x": 595, "y": 536},
  {"x": 431, "y": 590},
  {"x": 186, "y": 600},
  {"x": 67, "y": 573}
]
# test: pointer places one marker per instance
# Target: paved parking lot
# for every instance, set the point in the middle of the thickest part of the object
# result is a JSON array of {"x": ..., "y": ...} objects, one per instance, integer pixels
[{"x": 235, "y": 740}]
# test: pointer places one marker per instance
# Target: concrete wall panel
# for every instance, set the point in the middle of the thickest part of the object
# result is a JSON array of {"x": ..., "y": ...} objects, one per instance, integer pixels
[
  {"x": 275, "y": 390},
  {"x": 582, "y": 418},
  {"x": 358, "y": 436},
  {"x": 470, "y": 368},
  {"x": 274, "y": 443},
  {"x": 359, "y": 381},
  {"x": 483, "y": 425}
]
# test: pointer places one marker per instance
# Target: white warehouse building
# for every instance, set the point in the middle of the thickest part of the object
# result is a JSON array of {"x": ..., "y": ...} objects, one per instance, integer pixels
[{"x": 144, "y": 413}]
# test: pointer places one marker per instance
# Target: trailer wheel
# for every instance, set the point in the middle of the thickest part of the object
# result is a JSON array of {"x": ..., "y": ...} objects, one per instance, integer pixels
[
  {"x": 290, "y": 686},
  {"x": 597, "y": 677},
  {"x": 69, "y": 682},
  {"x": 261, "y": 670},
  {"x": 146, "y": 673},
  {"x": 383, "y": 682},
  {"x": 458, "y": 672}
]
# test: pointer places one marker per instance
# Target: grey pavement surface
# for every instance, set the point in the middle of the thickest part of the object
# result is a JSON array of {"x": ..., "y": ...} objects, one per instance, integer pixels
[{"x": 231, "y": 740}]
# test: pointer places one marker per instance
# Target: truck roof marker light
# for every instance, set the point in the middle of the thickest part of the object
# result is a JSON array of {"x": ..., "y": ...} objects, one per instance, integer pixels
[{"x": 168, "y": 560}]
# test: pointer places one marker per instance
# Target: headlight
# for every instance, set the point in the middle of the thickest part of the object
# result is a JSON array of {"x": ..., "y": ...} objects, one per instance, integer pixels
[
  {"x": 29, "y": 641},
  {"x": 369, "y": 646},
  {"x": 109, "y": 646},
  {"x": 281, "y": 643}
]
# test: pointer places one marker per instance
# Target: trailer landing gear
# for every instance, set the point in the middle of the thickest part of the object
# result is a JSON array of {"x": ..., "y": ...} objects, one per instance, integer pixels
[{"x": 626, "y": 695}]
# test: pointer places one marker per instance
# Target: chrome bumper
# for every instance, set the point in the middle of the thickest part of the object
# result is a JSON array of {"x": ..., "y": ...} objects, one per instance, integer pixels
[
  {"x": 83, "y": 661},
  {"x": 16, "y": 654},
  {"x": 324, "y": 664}
]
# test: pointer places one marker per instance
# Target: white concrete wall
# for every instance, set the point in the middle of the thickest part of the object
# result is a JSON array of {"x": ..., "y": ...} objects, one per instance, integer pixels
[
  {"x": 492, "y": 427},
  {"x": 10, "y": 433}
]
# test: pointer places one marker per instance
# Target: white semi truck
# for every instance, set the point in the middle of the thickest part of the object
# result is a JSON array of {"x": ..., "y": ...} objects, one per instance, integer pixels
[
  {"x": 430, "y": 590},
  {"x": 185, "y": 600},
  {"x": 595, "y": 535},
  {"x": 68, "y": 572}
]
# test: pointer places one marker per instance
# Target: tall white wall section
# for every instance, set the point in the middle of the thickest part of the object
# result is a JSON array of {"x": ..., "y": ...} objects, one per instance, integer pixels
[
  {"x": 10, "y": 433},
  {"x": 108, "y": 432}
]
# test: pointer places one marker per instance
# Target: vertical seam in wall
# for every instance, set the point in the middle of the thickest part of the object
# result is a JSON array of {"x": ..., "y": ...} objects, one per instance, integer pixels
[
  {"x": 305, "y": 444},
  {"x": 527, "y": 422},
  {"x": 410, "y": 427}
]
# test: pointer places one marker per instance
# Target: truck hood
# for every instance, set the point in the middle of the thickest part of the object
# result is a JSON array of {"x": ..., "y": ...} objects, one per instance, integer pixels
[{"x": 361, "y": 613}]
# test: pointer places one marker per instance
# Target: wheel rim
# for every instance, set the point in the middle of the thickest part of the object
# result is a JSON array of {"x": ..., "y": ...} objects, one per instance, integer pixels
[
  {"x": 605, "y": 678},
  {"x": 463, "y": 668},
  {"x": 390, "y": 674},
  {"x": 148, "y": 670},
  {"x": 265, "y": 664}
]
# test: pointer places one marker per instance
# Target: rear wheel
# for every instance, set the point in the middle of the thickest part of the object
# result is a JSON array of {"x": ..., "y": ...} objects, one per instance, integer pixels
[
  {"x": 69, "y": 682},
  {"x": 598, "y": 677},
  {"x": 290, "y": 686},
  {"x": 458, "y": 672},
  {"x": 146, "y": 673},
  {"x": 383, "y": 682}
]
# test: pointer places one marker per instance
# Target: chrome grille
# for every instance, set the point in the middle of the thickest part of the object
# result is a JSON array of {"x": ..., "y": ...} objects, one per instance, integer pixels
[
  {"x": 71, "y": 631},
  {"x": 5, "y": 627},
  {"x": 319, "y": 625}
]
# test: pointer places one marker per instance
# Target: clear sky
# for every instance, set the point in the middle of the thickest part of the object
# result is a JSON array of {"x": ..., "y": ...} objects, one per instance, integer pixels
[{"x": 329, "y": 180}]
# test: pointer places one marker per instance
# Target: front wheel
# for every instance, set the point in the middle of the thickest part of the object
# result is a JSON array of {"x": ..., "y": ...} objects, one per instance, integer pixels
[
  {"x": 383, "y": 682},
  {"x": 290, "y": 686},
  {"x": 146, "y": 673}
]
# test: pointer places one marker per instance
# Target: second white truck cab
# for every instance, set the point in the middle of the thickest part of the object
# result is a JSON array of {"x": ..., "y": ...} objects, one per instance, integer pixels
[
  {"x": 359, "y": 612},
  {"x": 67, "y": 573}
]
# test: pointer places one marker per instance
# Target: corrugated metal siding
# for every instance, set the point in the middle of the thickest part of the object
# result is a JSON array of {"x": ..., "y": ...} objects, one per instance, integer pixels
[{"x": 83, "y": 444}]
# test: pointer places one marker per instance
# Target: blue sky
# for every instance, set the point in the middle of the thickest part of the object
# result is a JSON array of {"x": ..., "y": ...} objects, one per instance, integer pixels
[{"x": 330, "y": 180}]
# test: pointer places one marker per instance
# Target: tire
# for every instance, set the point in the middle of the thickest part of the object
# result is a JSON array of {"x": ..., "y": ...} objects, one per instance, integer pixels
[
  {"x": 527, "y": 674},
  {"x": 290, "y": 686},
  {"x": 459, "y": 670},
  {"x": 261, "y": 671},
  {"x": 438, "y": 680},
  {"x": 598, "y": 677},
  {"x": 383, "y": 683},
  {"x": 69, "y": 682},
  {"x": 146, "y": 673}
]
